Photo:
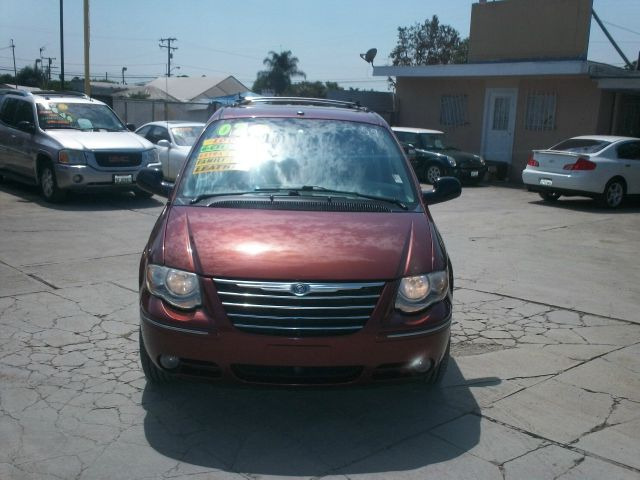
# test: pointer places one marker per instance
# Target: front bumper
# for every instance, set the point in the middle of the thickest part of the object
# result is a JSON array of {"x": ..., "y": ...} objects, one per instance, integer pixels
[
  {"x": 86, "y": 177},
  {"x": 467, "y": 173},
  {"x": 217, "y": 350}
]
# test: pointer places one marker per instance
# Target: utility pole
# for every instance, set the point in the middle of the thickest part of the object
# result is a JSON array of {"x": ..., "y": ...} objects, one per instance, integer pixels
[
  {"x": 49, "y": 60},
  {"x": 87, "y": 80},
  {"x": 169, "y": 51},
  {"x": 613, "y": 42},
  {"x": 124, "y": 69},
  {"x": 61, "y": 48},
  {"x": 15, "y": 72}
]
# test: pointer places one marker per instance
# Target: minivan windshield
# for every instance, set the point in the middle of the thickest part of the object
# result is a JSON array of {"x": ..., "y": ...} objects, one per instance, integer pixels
[
  {"x": 78, "y": 116},
  {"x": 304, "y": 155}
]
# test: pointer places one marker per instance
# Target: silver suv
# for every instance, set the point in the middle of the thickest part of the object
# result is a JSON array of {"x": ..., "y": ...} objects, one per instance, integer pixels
[{"x": 65, "y": 141}]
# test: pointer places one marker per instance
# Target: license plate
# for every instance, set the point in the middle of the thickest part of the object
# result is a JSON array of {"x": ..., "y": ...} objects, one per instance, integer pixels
[
  {"x": 474, "y": 173},
  {"x": 123, "y": 179},
  {"x": 546, "y": 182}
]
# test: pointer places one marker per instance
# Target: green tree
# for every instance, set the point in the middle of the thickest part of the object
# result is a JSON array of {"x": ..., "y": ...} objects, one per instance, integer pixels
[
  {"x": 429, "y": 43},
  {"x": 281, "y": 67},
  {"x": 30, "y": 77},
  {"x": 312, "y": 89}
]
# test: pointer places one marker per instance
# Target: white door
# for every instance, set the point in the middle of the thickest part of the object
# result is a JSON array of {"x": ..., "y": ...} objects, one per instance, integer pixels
[{"x": 499, "y": 123}]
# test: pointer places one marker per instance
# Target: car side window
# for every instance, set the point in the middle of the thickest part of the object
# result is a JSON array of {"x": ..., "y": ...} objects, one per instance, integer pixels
[
  {"x": 158, "y": 133},
  {"x": 8, "y": 110},
  {"x": 629, "y": 151},
  {"x": 24, "y": 113},
  {"x": 144, "y": 131}
]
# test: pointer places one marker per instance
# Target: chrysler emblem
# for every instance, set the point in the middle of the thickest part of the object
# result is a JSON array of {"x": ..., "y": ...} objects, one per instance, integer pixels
[{"x": 300, "y": 289}]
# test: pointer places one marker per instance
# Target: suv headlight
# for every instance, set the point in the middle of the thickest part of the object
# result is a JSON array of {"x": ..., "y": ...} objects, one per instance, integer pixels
[
  {"x": 72, "y": 157},
  {"x": 150, "y": 156},
  {"x": 419, "y": 292},
  {"x": 451, "y": 160},
  {"x": 177, "y": 287}
]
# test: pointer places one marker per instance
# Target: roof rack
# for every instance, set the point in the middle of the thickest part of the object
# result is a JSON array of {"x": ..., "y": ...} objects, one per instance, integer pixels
[
  {"x": 318, "y": 102},
  {"x": 59, "y": 93},
  {"x": 13, "y": 91}
]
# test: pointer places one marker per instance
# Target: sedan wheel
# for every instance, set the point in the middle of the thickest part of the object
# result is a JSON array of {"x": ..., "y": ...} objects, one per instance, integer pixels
[
  {"x": 433, "y": 173},
  {"x": 549, "y": 196},
  {"x": 613, "y": 194}
]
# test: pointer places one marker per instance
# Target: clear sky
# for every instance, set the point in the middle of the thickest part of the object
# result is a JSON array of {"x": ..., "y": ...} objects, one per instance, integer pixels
[{"x": 233, "y": 37}]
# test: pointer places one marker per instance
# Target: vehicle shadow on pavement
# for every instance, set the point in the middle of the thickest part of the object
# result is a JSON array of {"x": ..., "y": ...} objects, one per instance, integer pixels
[
  {"x": 309, "y": 431},
  {"x": 587, "y": 205},
  {"x": 82, "y": 201}
]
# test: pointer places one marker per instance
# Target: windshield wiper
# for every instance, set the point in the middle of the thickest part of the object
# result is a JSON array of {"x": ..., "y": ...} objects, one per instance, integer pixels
[
  {"x": 206, "y": 196},
  {"x": 315, "y": 188}
]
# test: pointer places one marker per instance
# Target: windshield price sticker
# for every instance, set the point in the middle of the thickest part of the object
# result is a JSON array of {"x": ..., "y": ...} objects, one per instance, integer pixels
[{"x": 217, "y": 163}]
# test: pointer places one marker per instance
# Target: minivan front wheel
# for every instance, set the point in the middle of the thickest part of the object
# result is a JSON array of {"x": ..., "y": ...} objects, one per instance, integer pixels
[
  {"x": 49, "y": 185},
  {"x": 152, "y": 373},
  {"x": 436, "y": 376}
]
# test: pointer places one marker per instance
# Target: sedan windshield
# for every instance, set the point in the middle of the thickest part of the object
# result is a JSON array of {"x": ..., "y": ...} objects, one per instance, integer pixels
[
  {"x": 305, "y": 156},
  {"x": 187, "y": 135},
  {"x": 79, "y": 116}
]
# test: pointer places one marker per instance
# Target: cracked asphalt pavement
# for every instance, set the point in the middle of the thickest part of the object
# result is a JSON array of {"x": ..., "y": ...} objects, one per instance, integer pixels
[{"x": 544, "y": 381}]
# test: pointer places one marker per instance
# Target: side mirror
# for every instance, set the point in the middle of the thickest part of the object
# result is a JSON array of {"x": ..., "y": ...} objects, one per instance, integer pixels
[
  {"x": 131, "y": 126},
  {"x": 152, "y": 181},
  {"x": 164, "y": 143},
  {"x": 444, "y": 188},
  {"x": 26, "y": 127}
]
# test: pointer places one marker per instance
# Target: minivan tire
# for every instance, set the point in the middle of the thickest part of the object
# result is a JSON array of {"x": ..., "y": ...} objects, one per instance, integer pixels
[
  {"x": 152, "y": 373},
  {"x": 434, "y": 379},
  {"x": 49, "y": 185},
  {"x": 613, "y": 194}
]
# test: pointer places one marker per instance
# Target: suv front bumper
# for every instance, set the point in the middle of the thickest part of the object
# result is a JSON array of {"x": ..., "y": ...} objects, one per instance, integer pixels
[{"x": 85, "y": 177}]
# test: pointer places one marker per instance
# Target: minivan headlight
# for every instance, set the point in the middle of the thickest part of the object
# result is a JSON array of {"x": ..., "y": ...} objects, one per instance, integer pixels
[
  {"x": 72, "y": 157},
  {"x": 177, "y": 287},
  {"x": 150, "y": 156},
  {"x": 418, "y": 292}
]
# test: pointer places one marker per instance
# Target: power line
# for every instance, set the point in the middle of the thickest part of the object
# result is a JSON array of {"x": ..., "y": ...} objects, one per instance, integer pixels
[{"x": 621, "y": 27}]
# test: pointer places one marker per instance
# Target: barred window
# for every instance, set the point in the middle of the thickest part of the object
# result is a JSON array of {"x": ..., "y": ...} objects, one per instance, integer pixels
[
  {"x": 541, "y": 111},
  {"x": 453, "y": 110}
]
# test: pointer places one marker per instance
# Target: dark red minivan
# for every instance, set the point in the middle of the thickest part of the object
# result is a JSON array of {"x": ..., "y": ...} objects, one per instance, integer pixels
[{"x": 296, "y": 248}]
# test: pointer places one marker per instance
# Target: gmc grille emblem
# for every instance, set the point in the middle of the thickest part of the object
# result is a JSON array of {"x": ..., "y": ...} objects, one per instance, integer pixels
[{"x": 118, "y": 159}]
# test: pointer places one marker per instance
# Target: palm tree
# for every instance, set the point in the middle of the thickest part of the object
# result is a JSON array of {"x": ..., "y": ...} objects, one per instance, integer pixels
[{"x": 281, "y": 67}]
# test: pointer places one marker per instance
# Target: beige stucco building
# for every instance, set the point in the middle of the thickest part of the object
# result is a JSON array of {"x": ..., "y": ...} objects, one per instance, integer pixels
[{"x": 523, "y": 88}]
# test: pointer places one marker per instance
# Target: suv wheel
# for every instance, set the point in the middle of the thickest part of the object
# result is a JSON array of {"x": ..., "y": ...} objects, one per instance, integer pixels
[
  {"x": 432, "y": 173},
  {"x": 152, "y": 373},
  {"x": 49, "y": 185},
  {"x": 143, "y": 193}
]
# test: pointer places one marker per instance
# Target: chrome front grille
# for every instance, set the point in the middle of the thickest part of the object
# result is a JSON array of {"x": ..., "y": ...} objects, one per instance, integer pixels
[{"x": 298, "y": 308}]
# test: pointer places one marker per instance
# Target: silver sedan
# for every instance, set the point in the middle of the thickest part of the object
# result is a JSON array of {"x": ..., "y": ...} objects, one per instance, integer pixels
[{"x": 173, "y": 140}]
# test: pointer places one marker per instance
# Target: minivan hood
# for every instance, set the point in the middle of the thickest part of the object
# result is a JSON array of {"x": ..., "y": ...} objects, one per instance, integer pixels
[
  {"x": 79, "y": 140},
  {"x": 294, "y": 245}
]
